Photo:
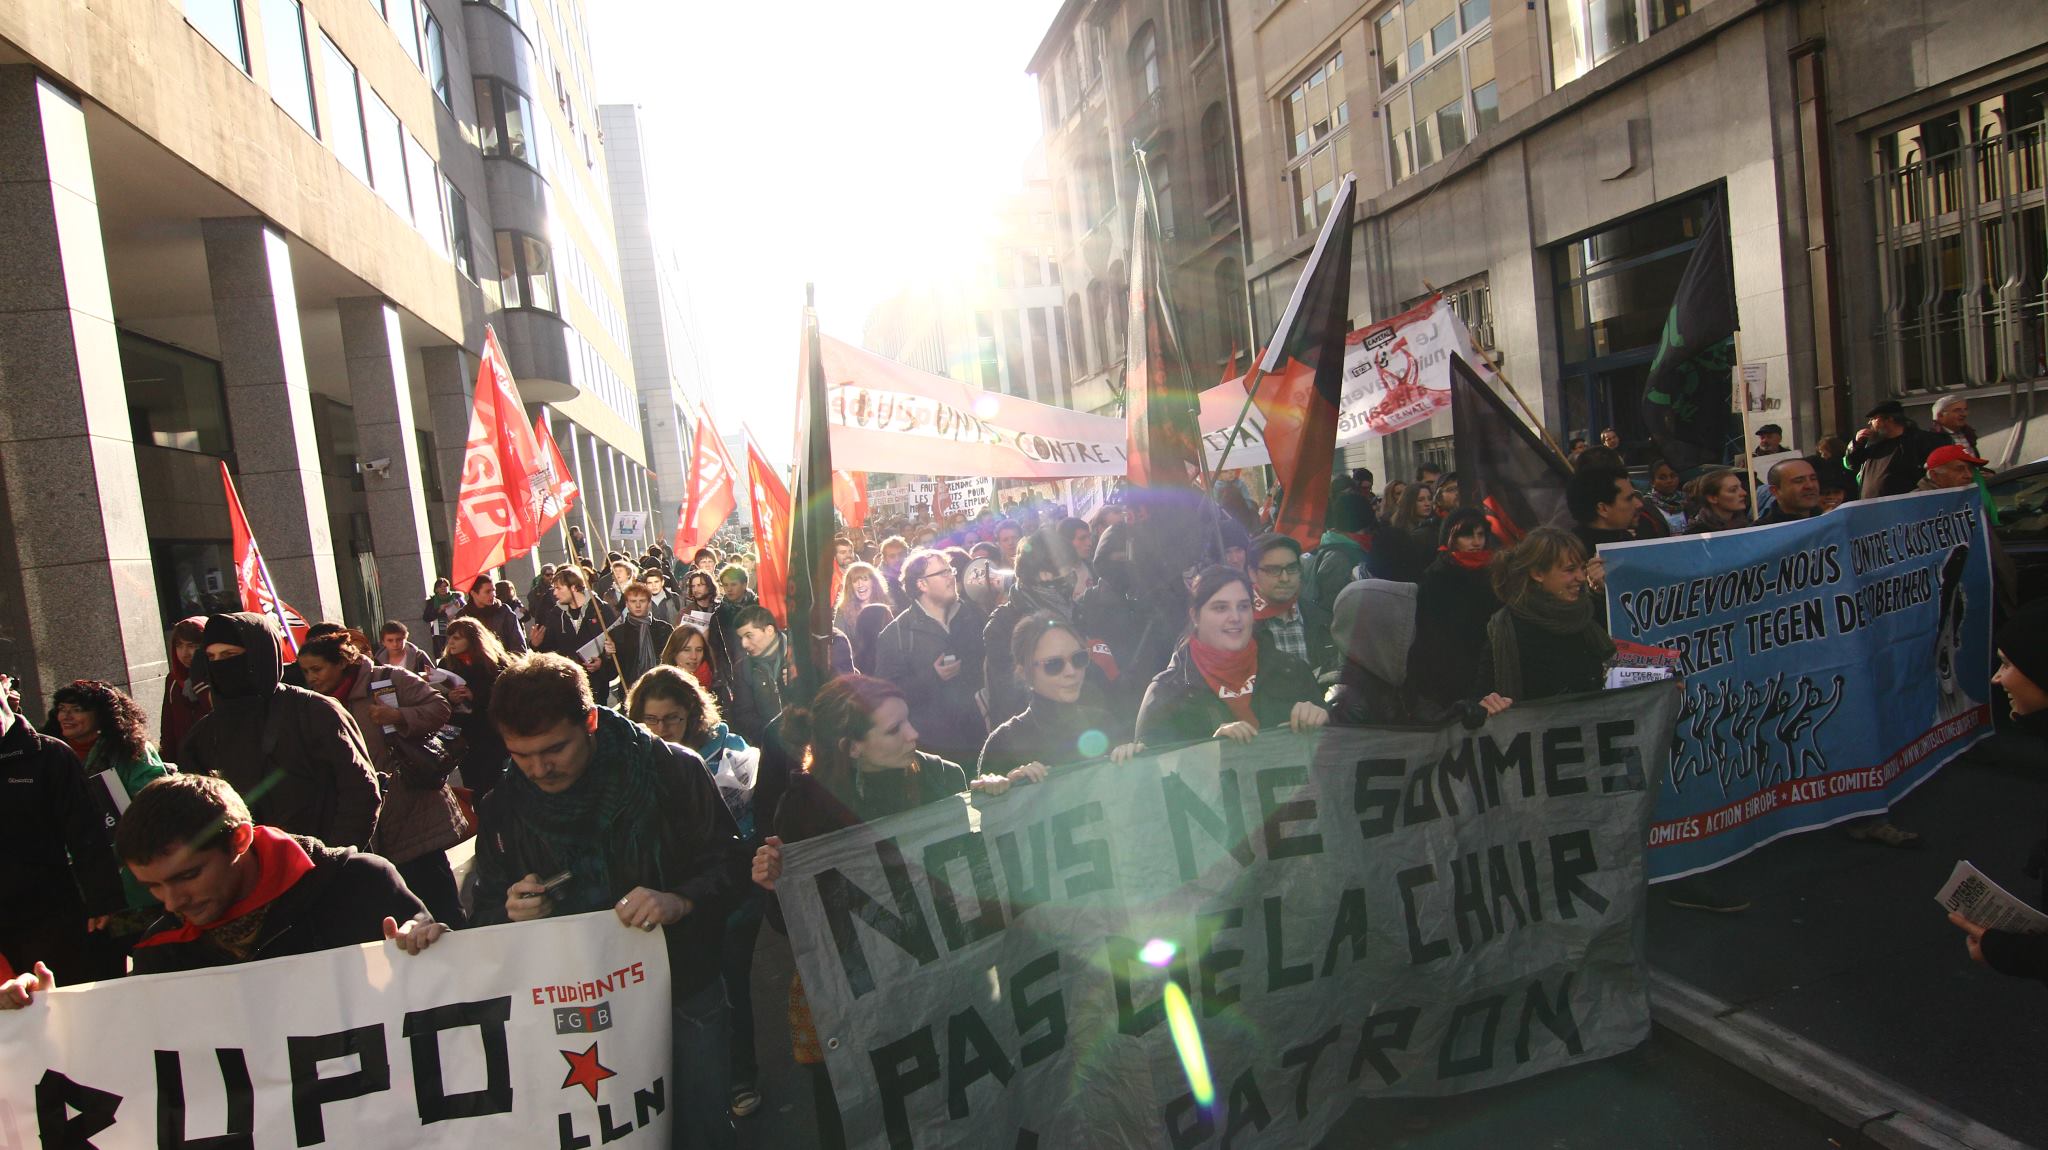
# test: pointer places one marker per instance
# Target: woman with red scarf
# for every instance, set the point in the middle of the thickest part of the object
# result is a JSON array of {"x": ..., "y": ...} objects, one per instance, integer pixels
[
  {"x": 689, "y": 649},
  {"x": 1453, "y": 600},
  {"x": 185, "y": 698},
  {"x": 1222, "y": 682}
]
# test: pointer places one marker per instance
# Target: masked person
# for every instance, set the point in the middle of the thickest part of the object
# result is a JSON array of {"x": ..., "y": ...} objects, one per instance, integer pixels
[
  {"x": 1047, "y": 574},
  {"x": 297, "y": 750}
]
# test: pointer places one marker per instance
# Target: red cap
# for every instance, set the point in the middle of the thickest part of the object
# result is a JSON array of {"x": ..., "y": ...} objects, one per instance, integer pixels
[{"x": 1953, "y": 453}]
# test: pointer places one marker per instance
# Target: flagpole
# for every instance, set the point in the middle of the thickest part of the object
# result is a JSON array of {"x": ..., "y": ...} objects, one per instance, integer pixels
[
  {"x": 1494, "y": 367},
  {"x": 1251, "y": 392}
]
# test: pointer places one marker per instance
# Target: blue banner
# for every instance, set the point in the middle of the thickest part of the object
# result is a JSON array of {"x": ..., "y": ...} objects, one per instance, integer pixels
[{"x": 1830, "y": 665}]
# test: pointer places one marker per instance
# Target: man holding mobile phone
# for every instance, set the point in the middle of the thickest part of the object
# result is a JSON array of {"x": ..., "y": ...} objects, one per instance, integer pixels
[
  {"x": 933, "y": 653},
  {"x": 598, "y": 815}
]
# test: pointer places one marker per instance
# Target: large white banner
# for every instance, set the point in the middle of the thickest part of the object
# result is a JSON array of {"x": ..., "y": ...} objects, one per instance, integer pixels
[{"x": 531, "y": 1034}]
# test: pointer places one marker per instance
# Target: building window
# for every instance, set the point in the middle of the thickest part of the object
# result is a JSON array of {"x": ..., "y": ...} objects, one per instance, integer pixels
[
  {"x": 526, "y": 271},
  {"x": 1436, "y": 79},
  {"x": 1962, "y": 237},
  {"x": 291, "y": 76},
  {"x": 514, "y": 9},
  {"x": 1472, "y": 301},
  {"x": 1201, "y": 25},
  {"x": 1092, "y": 40},
  {"x": 1049, "y": 101},
  {"x": 220, "y": 21},
  {"x": 175, "y": 398},
  {"x": 505, "y": 122},
  {"x": 1584, "y": 33},
  {"x": 1101, "y": 301},
  {"x": 1077, "y": 356},
  {"x": 1317, "y": 112},
  {"x": 985, "y": 351},
  {"x": 457, "y": 210},
  {"x": 1613, "y": 292},
  {"x": 1144, "y": 64},
  {"x": 425, "y": 182},
  {"x": 1159, "y": 163},
  {"x": 344, "y": 117},
  {"x": 399, "y": 14},
  {"x": 387, "y": 154},
  {"x": 1070, "y": 80},
  {"x": 433, "y": 42},
  {"x": 1216, "y": 169},
  {"x": 1230, "y": 307}
]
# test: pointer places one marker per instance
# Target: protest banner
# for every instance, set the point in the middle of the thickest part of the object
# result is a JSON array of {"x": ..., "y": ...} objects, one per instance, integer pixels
[
  {"x": 1360, "y": 911},
  {"x": 1831, "y": 665},
  {"x": 540, "y": 1033}
]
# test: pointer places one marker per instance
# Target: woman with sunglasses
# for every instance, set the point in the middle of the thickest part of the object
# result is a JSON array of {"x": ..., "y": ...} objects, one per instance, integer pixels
[
  {"x": 1047, "y": 575},
  {"x": 1055, "y": 728},
  {"x": 1223, "y": 682}
]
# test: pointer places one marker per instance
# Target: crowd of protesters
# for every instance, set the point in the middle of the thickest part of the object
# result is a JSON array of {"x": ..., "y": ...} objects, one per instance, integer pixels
[{"x": 634, "y": 735}]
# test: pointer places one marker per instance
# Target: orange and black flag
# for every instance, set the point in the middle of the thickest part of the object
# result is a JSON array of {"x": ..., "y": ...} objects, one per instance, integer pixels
[
  {"x": 1502, "y": 465},
  {"x": 1303, "y": 387},
  {"x": 811, "y": 554},
  {"x": 1162, "y": 411}
]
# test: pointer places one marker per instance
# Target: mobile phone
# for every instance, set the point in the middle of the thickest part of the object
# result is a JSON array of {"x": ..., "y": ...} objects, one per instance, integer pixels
[{"x": 548, "y": 885}]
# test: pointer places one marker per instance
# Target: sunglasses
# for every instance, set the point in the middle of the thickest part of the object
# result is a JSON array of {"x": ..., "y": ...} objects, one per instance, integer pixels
[{"x": 1076, "y": 661}]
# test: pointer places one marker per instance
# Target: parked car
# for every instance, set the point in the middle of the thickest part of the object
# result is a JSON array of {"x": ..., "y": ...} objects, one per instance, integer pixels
[{"x": 2021, "y": 497}]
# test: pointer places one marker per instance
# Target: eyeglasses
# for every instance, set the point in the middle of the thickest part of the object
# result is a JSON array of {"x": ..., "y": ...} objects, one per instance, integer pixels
[
  {"x": 1280, "y": 570},
  {"x": 667, "y": 722},
  {"x": 937, "y": 573},
  {"x": 1053, "y": 666}
]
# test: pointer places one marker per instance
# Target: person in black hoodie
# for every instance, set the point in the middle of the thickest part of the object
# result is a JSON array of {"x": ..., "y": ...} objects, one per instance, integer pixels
[
  {"x": 1050, "y": 661},
  {"x": 297, "y": 750},
  {"x": 2023, "y": 675},
  {"x": 234, "y": 891},
  {"x": 638, "y": 827},
  {"x": 1223, "y": 682},
  {"x": 56, "y": 867}
]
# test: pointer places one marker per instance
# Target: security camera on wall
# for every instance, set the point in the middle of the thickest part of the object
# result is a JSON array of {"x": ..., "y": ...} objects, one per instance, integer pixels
[{"x": 381, "y": 468}]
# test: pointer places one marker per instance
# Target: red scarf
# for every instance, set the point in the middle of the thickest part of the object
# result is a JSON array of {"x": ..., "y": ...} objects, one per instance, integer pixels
[
  {"x": 1231, "y": 674},
  {"x": 280, "y": 863},
  {"x": 1470, "y": 560},
  {"x": 83, "y": 747},
  {"x": 703, "y": 673},
  {"x": 348, "y": 681},
  {"x": 1263, "y": 610}
]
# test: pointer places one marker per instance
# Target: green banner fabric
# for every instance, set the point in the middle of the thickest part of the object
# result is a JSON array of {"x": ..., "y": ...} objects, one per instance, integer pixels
[{"x": 1228, "y": 944}]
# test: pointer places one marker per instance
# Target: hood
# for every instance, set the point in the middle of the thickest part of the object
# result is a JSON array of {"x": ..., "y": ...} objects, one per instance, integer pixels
[
  {"x": 1373, "y": 622},
  {"x": 256, "y": 634}
]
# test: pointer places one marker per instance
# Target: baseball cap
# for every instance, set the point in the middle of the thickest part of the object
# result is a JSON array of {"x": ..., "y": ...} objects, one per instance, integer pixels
[{"x": 1953, "y": 453}]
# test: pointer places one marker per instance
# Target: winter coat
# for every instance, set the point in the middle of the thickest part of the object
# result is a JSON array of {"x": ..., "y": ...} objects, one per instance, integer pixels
[
  {"x": 759, "y": 689},
  {"x": 562, "y": 634},
  {"x": 1893, "y": 466},
  {"x": 662, "y": 826},
  {"x": 503, "y": 622},
  {"x": 135, "y": 774},
  {"x": 186, "y": 699},
  {"x": 725, "y": 631},
  {"x": 627, "y": 641},
  {"x": 297, "y": 757},
  {"x": 1447, "y": 663},
  {"x": 1338, "y": 557},
  {"x": 1181, "y": 707},
  {"x": 413, "y": 659},
  {"x": 57, "y": 864},
  {"x": 1549, "y": 667},
  {"x": 485, "y": 759},
  {"x": 418, "y": 816},
  {"x": 342, "y": 901},
  {"x": 1055, "y": 734},
  {"x": 945, "y": 712},
  {"x": 1315, "y": 631}
]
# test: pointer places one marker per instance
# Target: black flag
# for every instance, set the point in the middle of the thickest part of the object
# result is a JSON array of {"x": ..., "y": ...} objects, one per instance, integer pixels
[
  {"x": 1687, "y": 398},
  {"x": 811, "y": 555},
  {"x": 1518, "y": 478}
]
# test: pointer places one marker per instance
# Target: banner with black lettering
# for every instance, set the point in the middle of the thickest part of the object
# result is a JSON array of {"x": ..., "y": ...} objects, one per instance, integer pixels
[
  {"x": 1235, "y": 941},
  {"x": 530, "y": 1034},
  {"x": 1831, "y": 665}
]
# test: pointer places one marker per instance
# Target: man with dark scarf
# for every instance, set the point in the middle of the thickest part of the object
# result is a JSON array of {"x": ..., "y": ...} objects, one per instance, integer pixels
[
  {"x": 632, "y": 824},
  {"x": 296, "y": 753},
  {"x": 569, "y": 625},
  {"x": 637, "y": 638}
]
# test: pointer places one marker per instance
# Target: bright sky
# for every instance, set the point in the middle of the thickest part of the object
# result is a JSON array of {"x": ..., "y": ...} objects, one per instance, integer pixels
[{"x": 857, "y": 146}]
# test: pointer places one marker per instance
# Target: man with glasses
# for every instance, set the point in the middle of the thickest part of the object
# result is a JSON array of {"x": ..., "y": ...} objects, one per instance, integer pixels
[
  {"x": 933, "y": 653},
  {"x": 1298, "y": 628}
]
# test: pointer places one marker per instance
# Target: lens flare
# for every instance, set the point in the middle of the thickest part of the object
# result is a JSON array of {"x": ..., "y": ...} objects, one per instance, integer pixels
[
  {"x": 1187, "y": 1041},
  {"x": 985, "y": 406},
  {"x": 1158, "y": 953},
  {"x": 1092, "y": 744}
]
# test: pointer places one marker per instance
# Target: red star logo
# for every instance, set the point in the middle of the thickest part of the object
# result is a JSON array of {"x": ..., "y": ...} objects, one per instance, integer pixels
[{"x": 586, "y": 1071}]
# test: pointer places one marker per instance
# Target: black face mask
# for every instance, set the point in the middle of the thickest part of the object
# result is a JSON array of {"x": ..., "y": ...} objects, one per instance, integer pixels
[{"x": 234, "y": 678}]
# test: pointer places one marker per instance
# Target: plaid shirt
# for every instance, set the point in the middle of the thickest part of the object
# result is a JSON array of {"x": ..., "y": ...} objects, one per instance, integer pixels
[{"x": 1288, "y": 633}]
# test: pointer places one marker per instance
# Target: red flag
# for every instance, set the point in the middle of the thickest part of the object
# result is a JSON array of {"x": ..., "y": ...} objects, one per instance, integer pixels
[
  {"x": 507, "y": 497},
  {"x": 560, "y": 479},
  {"x": 1162, "y": 416},
  {"x": 770, "y": 500},
  {"x": 850, "y": 496},
  {"x": 259, "y": 593},
  {"x": 710, "y": 496},
  {"x": 1304, "y": 384}
]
